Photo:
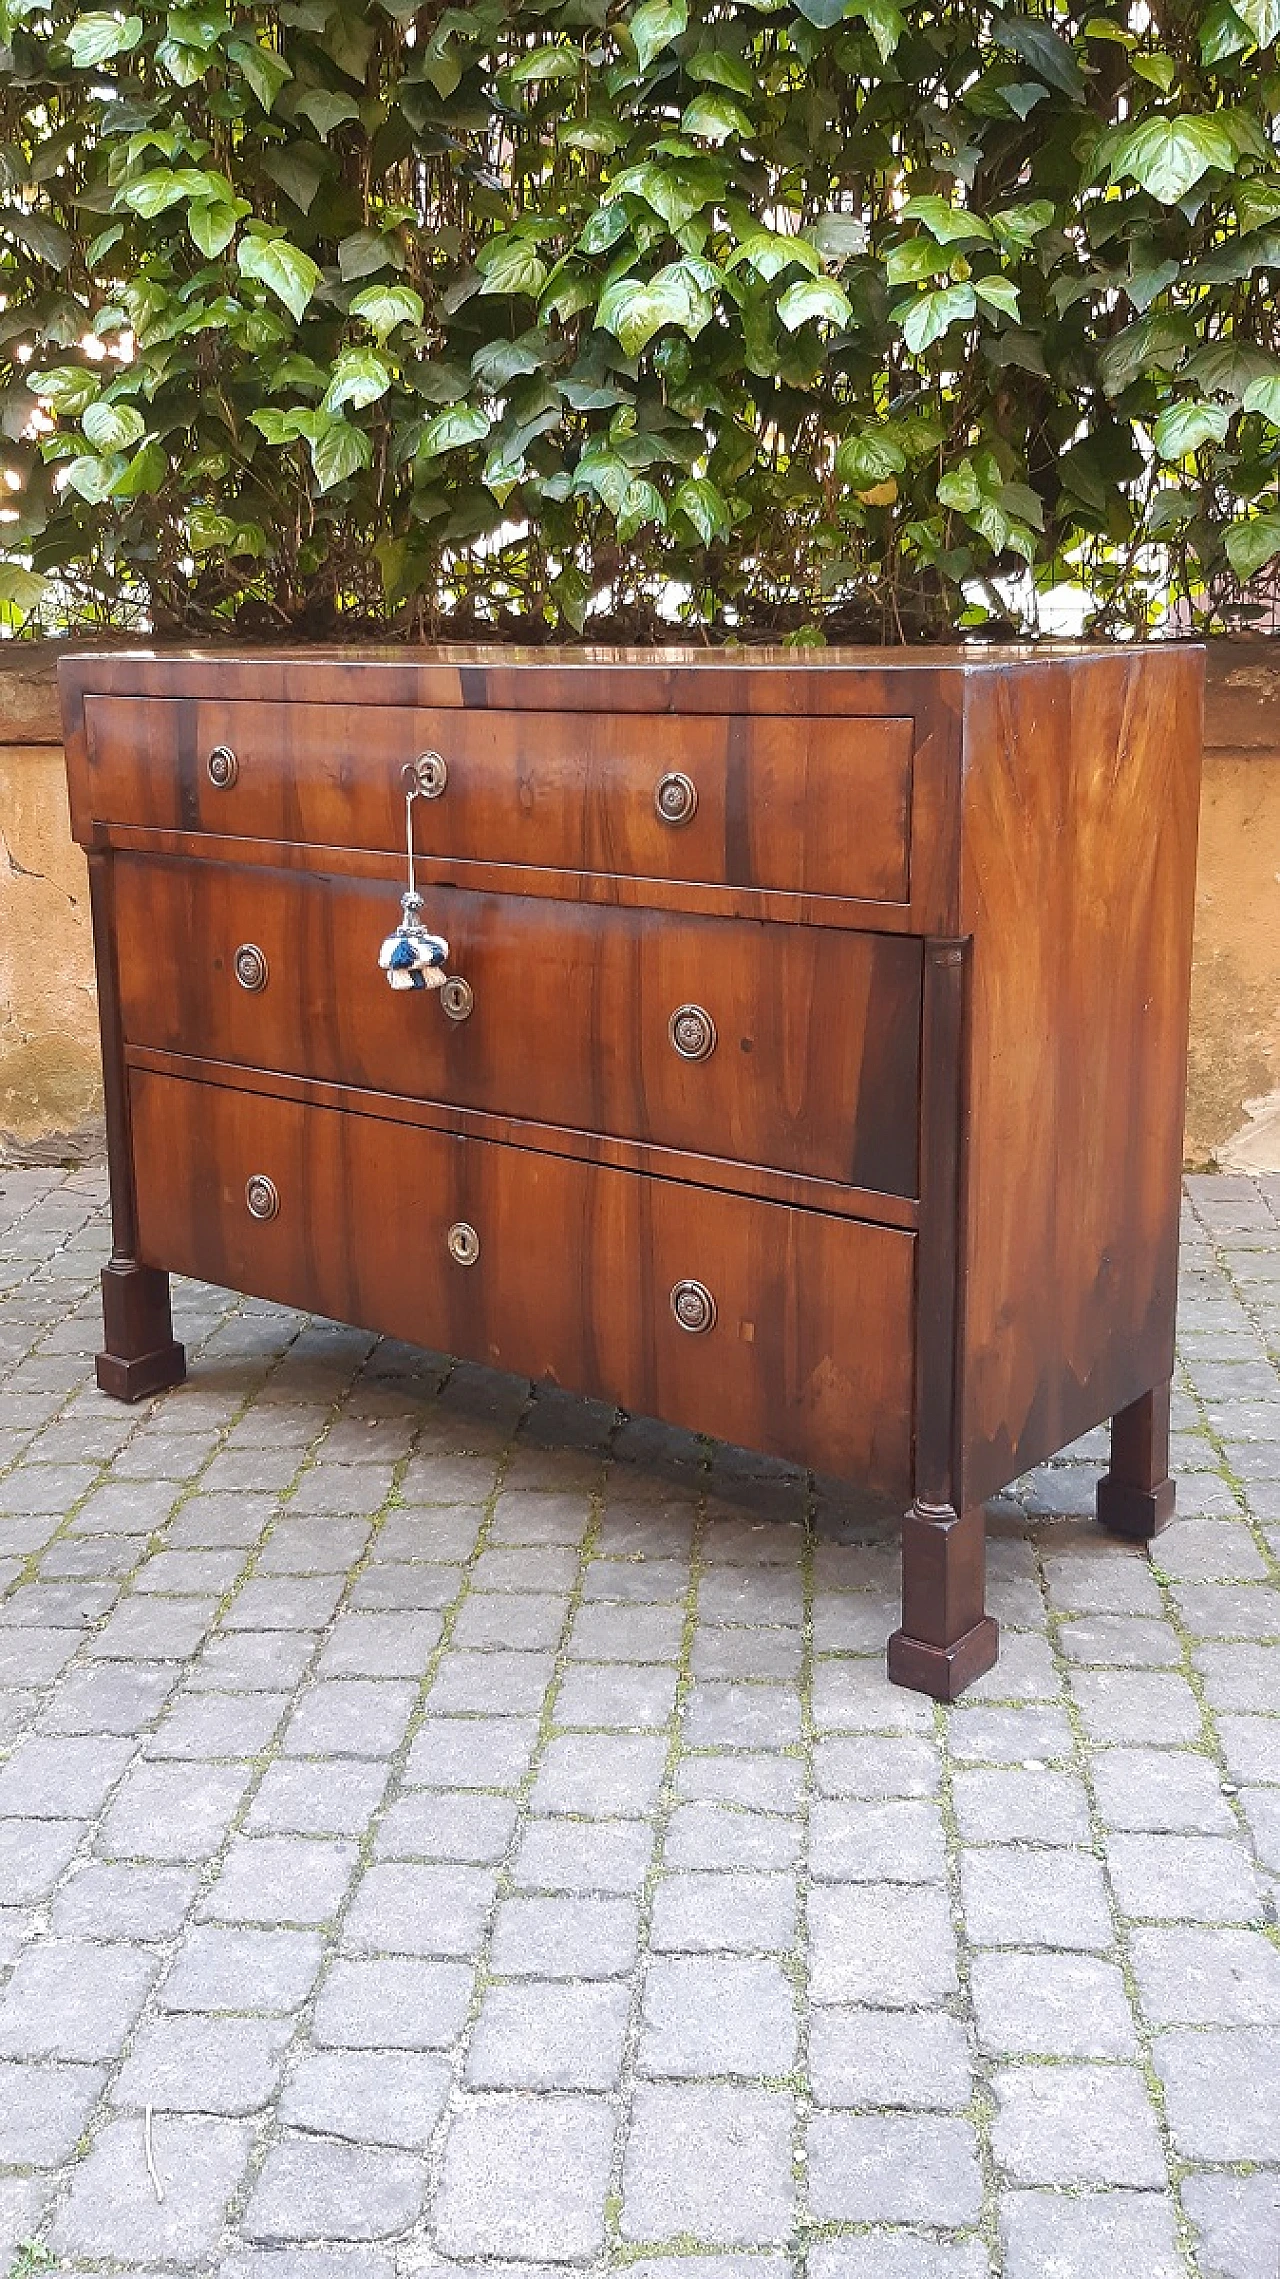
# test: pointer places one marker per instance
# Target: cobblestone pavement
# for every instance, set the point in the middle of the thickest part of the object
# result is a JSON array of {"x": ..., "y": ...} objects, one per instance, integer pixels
[{"x": 480, "y": 1835}]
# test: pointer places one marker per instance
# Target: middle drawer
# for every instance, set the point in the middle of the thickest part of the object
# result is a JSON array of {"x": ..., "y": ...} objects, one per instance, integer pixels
[{"x": 809, "y": 1036}]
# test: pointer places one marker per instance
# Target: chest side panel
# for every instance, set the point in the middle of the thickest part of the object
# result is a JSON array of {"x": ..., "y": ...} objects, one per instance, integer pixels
[{"x": 1081, "y": 788}]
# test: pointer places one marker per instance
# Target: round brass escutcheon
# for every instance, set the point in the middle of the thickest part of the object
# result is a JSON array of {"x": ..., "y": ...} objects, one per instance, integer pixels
[
  {"x": 457, "y": 997},
  {"x": 222, "y": 767},
  {"x": 251, "y": 966},
  {"x": 694, "y": 1307},
  {"x": 262, "y": 1196},
  {"x": 693, "y": 1032},
  {"x": 428, "y": 774},
  {"x": 676, "y": 797},
  {"x": 464, "y": 1243}
]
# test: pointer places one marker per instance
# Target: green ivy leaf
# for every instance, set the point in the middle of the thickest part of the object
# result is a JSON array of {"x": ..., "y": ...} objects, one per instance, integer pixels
[
  {"x": 112, "y": 427},
  {"x": 706, "y": 507},
  {"x": 1168, "y": 156},
  {"x": 284, "y": 269},
  {"x": 511, "y": 265},
  {"x": 999, "y": 293},
  {"x": 925, "y": 319},
  {"x": 337, "y": 451},
  {"x": 541, "y": 64},
  {"x": 864, "y": 461},
  {"x": 950, "y": 225},
  {"x": 20, "y": 587},
  {"x": 95, "y": 38},
  {"x": 1262, "y": 18},
  {"x": 1264, "y": 396},
  {"x": 452, "y": 430},
  {"x": 655, "y": 26},
  {"x": 383, "y": 307},
  {"x": 716, "y": 66},
  {"x": 814, "y": 299},
  {"x": 325, "y": 111},
  {"x": 212, "y": 228},
  {"x": 66, "y": 388},
  {"x": 265, "y": 71},
  {"x": 633, "y": 309},
  {"x": 1185, "y": 426},
  {"x": 713, "y": 118},
  {"x": 147, "y": 471},
  {"x": 359, "y": 377},
  {"x": 1222, "y": 34},
  {"x": 1252, "y": 544}
]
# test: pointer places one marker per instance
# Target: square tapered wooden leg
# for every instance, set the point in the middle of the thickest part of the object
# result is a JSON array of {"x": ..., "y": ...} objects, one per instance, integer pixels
[
  {"x": 1136, "y": 1496},
  {"x": 141, "y": 1355},
  {"x": 947, "y": 1637}
]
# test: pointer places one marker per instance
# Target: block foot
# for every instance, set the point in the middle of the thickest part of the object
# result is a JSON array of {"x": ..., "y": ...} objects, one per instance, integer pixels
[
  {"x": 1136, "y": 1497},
  {"x": 944, "y": 1671},
  {"x": 142, "y": 1355},
  {"x": 1139, "y": 1513},
  {"x": 146, "y": 1373}
]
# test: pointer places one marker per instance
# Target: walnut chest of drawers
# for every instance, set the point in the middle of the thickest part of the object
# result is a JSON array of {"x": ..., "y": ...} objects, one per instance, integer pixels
[{"x": 810, "y": 1073}]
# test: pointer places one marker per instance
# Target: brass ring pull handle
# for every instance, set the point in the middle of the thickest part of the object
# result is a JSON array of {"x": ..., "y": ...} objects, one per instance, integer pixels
[
  {"x": 250, "y": 965},
  {"x": 262, "y": 1196},
  {"x": 675, "y": 798},
  {"x": 694, "y": 1307},
  {"x": 693, "y": 1032},
  {"x": 222, "y": 767},
  {"x": 427, "y": 776}
]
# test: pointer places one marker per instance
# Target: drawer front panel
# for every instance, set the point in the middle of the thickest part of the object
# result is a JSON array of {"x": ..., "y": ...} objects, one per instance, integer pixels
[
  {"x": 814, "y": 1032},
  {"x": 813, "y": 806},
  {"x": 544, "y": 1266}
]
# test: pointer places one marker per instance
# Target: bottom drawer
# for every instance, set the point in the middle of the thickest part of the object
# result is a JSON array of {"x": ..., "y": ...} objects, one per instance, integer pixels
[{"x": 804, "y": 1349}]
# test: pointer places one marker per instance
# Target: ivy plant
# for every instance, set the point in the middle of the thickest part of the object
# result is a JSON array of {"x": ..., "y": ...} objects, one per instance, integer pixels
[{"x": 542, "y": 319}]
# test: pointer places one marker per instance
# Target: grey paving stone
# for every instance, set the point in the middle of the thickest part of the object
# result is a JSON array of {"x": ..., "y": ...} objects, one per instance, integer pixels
[
  {"x": 1126, "y": 2235},
  {"x": 336, "y": 2191},
  {"x": 443, "y": 1825},
  {"x": 420, "y": 1910},
  {"x": 525, "y": 2176},
  {"x": 342, "y": 1490},
  {"x": 190, "y": 1574},
  {"x": 390, "y": 2002},
  {"x": 281, "y": 1879},
  {"x": 721, "y": 1651},
  {"x": 33, "y": 1854},
  {"x": 1120, "y": 1641},
  {"x": 1209, "y": 1550},
  {"x": 1154, "y": 1791},
  {"x": 1237, "y": 2219},
  {"x": 35, "y": 1657},
  {"x": 1251, "y": 1746},
  {"x": 218, "y": 1725},
  {"x": 1212, "y": 1977},
  {"x": 1010, "y": 1736},
  {"x": 383, "y": 2097},
  {"x": 1174, "y": 1879},
  {"x": 43, "y": 2109},
  {"x": 221, "y": 1521},
  {"x": 715, "y": 2016},
  {"x": 353, "y": 1717},
  {"x": 898, "y": 1842},
  {"x": 53, "y": 1779},
  {"x": 540, "y": 1515},
  {"x": 884, "y": 1945},
  {"x": 252, "y": 1661},
  {"x": 536, "y": 2035},
  {"x": 894, "y": 2168},
  {"x": 608, "y": 1774},
  {"x": 604, "y": 1633},
  {"x": 753, "y": 1716},
  {"x": 380, "y": 1645},
  {"x": 727, "y": 1836},
  {"x": 46, "y": 1487},
  {"x": 880, "y": 2254},
  {"x": 495, "y": 1684},
  {"x": 471, "y": 1752},
  {"x": 1012, "y": 1805},
  {"x": 113, "y": 2212},
  {"x": 167, "y": 1812},
  {"x": 311, "y": 1546},
  {"x": 1262, "y": 1811},
  {"x": 708, "y": 2163},
  {"x": 1048, "y": 1898},
  {"x": 533, "y": 1623},
  {"x": 284, "y": 1602},
  {"x": 696, "y": 1913},
  {"x": 107, "y": 1901},
  {"x": 563, "y": 1855},
  {"x": 574, "y": 1936},
  {"x": 220, "y": 1969},
  {"x": 1229, "y": 1610},
  {"x": 1222, "y": 2093},
  {"x": 110, "y": 1698},
  {"x": 889, "y": 2058},
  {"x": 1136, "y": 1705},
  {"x": 70, "y": 1605},
  {"x": 158, "y": 1629},
  {"x": 441, "y": 1538},
  {"x": 304, "y": 1796},
  {"x": 1076, "y": 2124},
  {"x": 203, "y": 2065},
  {"x": 73, "y": 1998},
  {"x": 1051, "y": 2005},
  {"x": 1238, "y": 1677},
  {"x": 757, "y": 1784},
  {"x": 396, "y": 1587},
  {"x": 851, "y": 1696},
  {"x": 617, "y": 1694}
]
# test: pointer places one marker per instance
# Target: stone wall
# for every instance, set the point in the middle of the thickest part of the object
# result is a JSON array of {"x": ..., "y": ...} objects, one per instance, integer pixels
[{"x": 50, "y": 1102}]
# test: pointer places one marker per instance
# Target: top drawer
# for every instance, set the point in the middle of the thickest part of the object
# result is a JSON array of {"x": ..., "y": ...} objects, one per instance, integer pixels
[{"x": 801, "y": 805}]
